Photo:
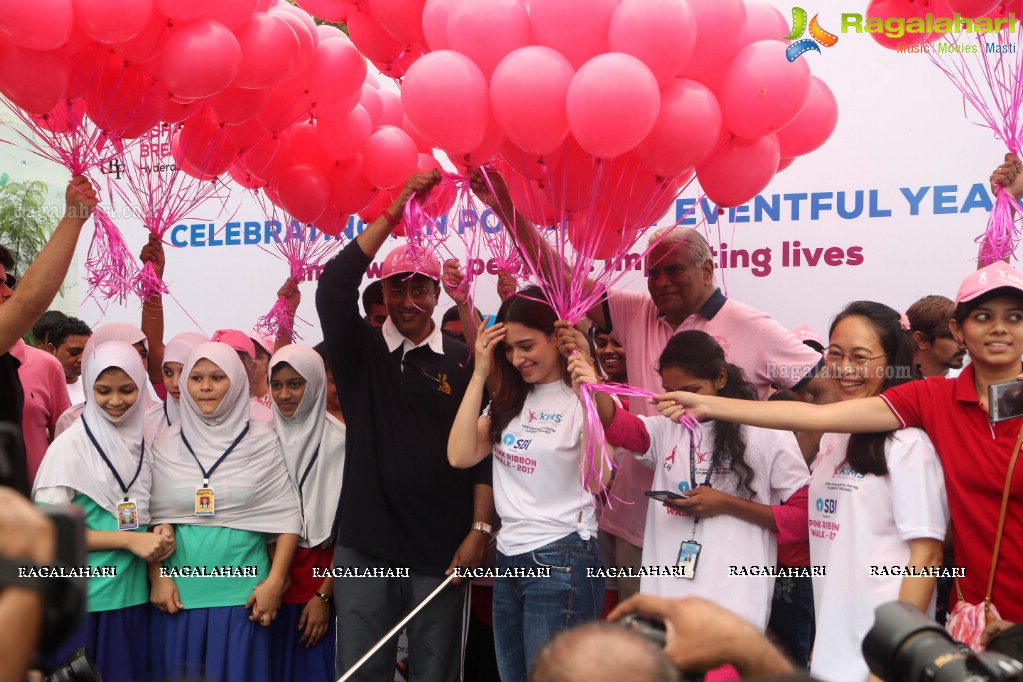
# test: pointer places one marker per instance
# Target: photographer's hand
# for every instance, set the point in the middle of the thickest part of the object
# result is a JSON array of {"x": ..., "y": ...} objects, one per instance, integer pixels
[{"x": 700, "y": 635}]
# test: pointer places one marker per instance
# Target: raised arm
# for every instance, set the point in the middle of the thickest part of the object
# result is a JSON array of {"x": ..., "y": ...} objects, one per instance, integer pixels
[
  {"x": 44, "y": 276},
  {"x": 452, "y": 281},
  {"x": 152, "y": 310},
  {"x": 469, "y": 440},
  {"x": 292, "y": 297},
  {"x": 864, "y": 415},
  {"x": 374, "y": 236}
]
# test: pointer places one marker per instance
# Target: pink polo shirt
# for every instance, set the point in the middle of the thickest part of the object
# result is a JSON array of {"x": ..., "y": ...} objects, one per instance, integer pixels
[
  {"x": 767, "y": 352},
  {"x": 42, "y": 378}
]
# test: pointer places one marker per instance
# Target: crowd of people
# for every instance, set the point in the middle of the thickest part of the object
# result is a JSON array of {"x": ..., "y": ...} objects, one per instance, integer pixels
[{"x": 257, "y": 509}]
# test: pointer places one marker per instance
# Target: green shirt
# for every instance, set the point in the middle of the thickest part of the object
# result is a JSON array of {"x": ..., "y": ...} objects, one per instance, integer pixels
[
  {"x": 130, "y": 585},
  {"x": 214, "y": 566}
]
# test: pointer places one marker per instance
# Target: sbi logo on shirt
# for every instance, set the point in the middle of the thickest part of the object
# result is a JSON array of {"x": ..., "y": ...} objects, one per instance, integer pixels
[
  {"x": 826, "y": 506},
  {"x": 514, "y": 443}
]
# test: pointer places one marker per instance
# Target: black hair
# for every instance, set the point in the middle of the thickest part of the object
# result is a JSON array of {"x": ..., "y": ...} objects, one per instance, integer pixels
[
  {"x": 278, "y": 366},
  {"x": 451, "y": 315},
  {"x": 6, "y": 259},
  {"x": 372, "y": 295},
  {"x": 69, "y": 326},
  {"x": 46, "y": 322},
  {"x": 529, "y": 308},
  {"x": 866, "y": 451},
  {"x": 697, "y": 353},
  {"x": 963, "y": 310}
]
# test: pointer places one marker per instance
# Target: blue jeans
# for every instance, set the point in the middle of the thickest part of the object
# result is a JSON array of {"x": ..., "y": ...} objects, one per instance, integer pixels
[
  {"x": 529, "y": 611},
  {"x": 792, "y": 618}
]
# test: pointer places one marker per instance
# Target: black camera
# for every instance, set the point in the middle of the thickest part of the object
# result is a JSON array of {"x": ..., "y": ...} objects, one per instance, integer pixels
[
  {"x": 78, "y": 668},
  {"x": 906, "y": 646}
]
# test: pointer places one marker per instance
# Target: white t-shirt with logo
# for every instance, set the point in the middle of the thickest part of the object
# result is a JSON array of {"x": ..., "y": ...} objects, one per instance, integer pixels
[
  {"x": 538, "y": 489},
  {"x": 779, "y": 471},
  {"x": 861, "y": 521}
]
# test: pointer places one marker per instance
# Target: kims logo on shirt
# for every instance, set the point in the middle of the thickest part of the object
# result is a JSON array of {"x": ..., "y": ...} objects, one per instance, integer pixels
[{"x": 544, "y": 417}]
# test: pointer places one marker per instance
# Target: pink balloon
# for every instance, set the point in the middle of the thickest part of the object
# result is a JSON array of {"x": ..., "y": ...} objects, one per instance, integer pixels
[
  {"x": 482, "y": 155},
  {"x": 244, "y": 178},
  {"x": 612, "y": 104},
  {"x": 304, "y": 146},
  {"x": 530, "y": 200},
  {"x": 200, "y": 59},
  {"x": 305, "y": 30},
  {"x": 660, "y": 33},
  {"x": 445, "y": 97},
  {"x": 269, "y": 51},
  {"x": 350, "y": 191},
  {"x": 740, "y": 170},
  {"x": 686, "y": 131},
  {"x": 304, "y": 192},
  {"x": 371, "y": 39},
  {"x": 571, "y": 177},
  {"x": 343, "y": 133},
  {"x": 402, "y": 19},
  {"x": 326, "y": 31},
  {"x": 527, "y": 95},
  {"x": 176, "y": 112},
  {"x": 246, "y": 135},
  {"x": 531, "y": 166},
  {"x": 373, "y": 104},
  {"x": 762, "y": 91},
  {"x": 973, "y": 8},
  {"x": 813, "y": 125},
  {"x": 575, "y": 28},
  {"x": 422, "y": 144},
  {"x": 764, "y": 22},
  {"x": 327, "y": 10},
  {"x": 337, "y": 71},
  {"x": 236, "y": 105},
  {"x": 332, "y": 222},
  {"x": 389, "y": 157},
  {"x": 435, "y": 22},
  {"x": 204, "y": 144},
  {"x": 112, "y": 21},
  {"x": 722, "y": 27},
  {"x": 266, "y": 159},
  {"x": 391, "y": 113},
  {"x": 505, "y": 24},
  {"x": 124, "y": 101},
  {"x": 64, "y": 118},
  {"x": 281, "y": 111},
  {"x": 784, "y": 163},
  {"x": 184, "y": 10},
  {"x": 34, "y": 81},
  {"x": 37, "y": 24},
  {"x": 232, "y": 13},
  {"x": 896, "y": 9},
  {"x": 148, "y": 43}
]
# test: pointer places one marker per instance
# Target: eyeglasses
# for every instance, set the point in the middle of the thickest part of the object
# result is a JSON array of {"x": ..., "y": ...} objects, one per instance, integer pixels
[
  {"x": 416, "y": 293},
  {"x": 835, "y": 355}
]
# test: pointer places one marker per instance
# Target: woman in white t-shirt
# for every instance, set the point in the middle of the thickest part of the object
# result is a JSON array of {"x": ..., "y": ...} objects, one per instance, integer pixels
[
  {"x": 725, "y": 493},
  {"x": 877, "y": 504},
  {"x": 533, "y": 427}
]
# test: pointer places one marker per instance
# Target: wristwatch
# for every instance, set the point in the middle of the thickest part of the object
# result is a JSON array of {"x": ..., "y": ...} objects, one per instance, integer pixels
[
  {"x": 324, "y": 598},
  {"x": 484, "y": 528}
]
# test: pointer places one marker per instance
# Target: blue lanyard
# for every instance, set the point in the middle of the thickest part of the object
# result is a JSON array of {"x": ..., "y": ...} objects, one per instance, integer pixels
[
  {"x": 106, "y": 460},
  {"x": 206, "y": 474}
]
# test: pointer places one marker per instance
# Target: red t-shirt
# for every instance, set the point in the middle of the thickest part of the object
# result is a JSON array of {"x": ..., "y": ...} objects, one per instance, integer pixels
[
  {"x": 975, "y": 457},
  {"x": 304, "y": 584}
]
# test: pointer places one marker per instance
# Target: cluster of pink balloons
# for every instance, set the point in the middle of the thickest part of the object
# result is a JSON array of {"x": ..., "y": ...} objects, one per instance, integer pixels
[
  {"x": 945, "y": 9},
  {"x": 253, "y": 88},
  {"x": 630, "y": 97}
]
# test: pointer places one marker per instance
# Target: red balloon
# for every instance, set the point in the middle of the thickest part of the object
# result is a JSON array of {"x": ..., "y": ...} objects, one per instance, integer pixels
[
  {"x": 762, "y": 91},
  {"x": 266, "y": 159},
  {"x": 422, "y": 144},
  {"x": 389, "y": 157},
  {"x": 505, "y": 24},
  {"x": 204, "y": 144},
  {"x": 483, "y": 154},
  {"x": 381, "y": 200},
  {"x": 332, "y": 222},
  {"x": 338, "y": 70},
  {"x": 281, "y": 111},
  {"x": 531, "y": 200},
  {"x": 686, "y": 130},
  {"x": 372, "y": 40},
  {"x": 305, "y": 30},
  {"x": 113, "y": 21},
  {"x": 739, "y": 170},
  {"x": 304, "y": 146},
  {"x": 200, "y": 59},
  {"x": 236, "y": 105},
  {"x": 269, "y": 51},
  {"x": 64, "y": 118},
  {"x": 435, "y": 22},
  {"x": 343, "y": 133},
  {"x": 246, "y": 135},
  {"x": 391, "y": 112},
  {"x": 445, "y": 97},
  {"x": 402, "y": 19},
  {"x": 660, "y": 33},
  {"x": 973, "y": 8},
  {"x": 304, "y": 192},
  {"x": 722, "y": 27},
  {"x": 350, "y": 191},
  {"x": 813, "y": 125},
  {"x": 37, "y": 24},
  {"x": 764, "y": 22},
  {"x": 232, "y": 13},
  {"x": 184, "y": 10},
  {"x": 34, "y": 81},
  {"x": 371, "y": 101},
  {"x": 244, "y": 178},
  {"x": 527, "y": 96},
  {"x": 147, "y": 43},
  {"x": 575, "y": 28},
  {"x": 896, "y": 9},
  {"x": 327, "y": 10}
]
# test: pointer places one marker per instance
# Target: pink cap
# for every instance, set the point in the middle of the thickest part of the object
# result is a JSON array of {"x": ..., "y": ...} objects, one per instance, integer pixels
[
  {"x": 807, "y": 335},
  {"x": 237, "y": 340},
  {"x": 995, "y": 276},
  {"x": 264, "y": 342},
  {"x": 407, "y": 260}
]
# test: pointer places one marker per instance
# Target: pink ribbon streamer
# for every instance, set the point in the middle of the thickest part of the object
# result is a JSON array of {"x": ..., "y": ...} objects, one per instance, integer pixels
[{"x": 109, "y": 265}]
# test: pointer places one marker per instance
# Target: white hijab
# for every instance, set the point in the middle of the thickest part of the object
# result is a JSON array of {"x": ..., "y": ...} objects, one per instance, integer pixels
[
  {"x": 252, "y": 490},
  {"x": 312, "y": 432},
  {"x": 72, "y": 460},
  {"x": 166, "y": 414}
]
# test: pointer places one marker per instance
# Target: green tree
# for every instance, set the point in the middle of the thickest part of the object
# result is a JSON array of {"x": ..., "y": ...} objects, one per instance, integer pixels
[{"x": 25, "y": 225}]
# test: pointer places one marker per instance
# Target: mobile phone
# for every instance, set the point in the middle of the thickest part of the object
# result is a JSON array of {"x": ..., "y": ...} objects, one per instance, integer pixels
[
  {"x": 1005, "y": 401},
  {"x": 663, "y": 495},
  {"x": 650, "y": 628},
  {"x": 490, "y": 319}
]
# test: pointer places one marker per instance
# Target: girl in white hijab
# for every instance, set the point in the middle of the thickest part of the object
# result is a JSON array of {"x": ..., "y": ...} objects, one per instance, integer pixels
[
  {"x": 304, "y": 632},
  {"x": 221, "y": 479},
  {"x": 168, "y": 413},
  {"x": 102, "y": 464}
]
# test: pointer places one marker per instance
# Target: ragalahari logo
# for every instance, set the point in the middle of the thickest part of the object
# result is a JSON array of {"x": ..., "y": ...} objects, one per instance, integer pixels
[{"x": 819, "y": 35}]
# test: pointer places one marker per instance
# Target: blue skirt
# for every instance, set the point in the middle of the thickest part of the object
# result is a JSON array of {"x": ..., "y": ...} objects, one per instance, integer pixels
[
  {"x": 220, "y": 644},
  {"x": 117, "y": 641},
  {"x": 289, "y": 657}
]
